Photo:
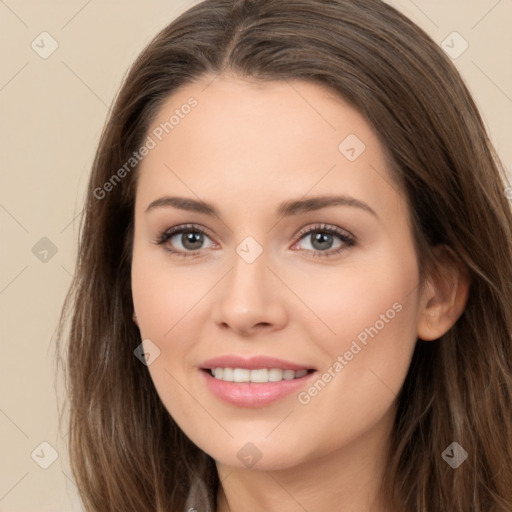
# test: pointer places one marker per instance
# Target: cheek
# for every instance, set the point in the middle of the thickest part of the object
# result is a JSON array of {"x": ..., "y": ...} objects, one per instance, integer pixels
[
  {"x": 366, "y": 298},
  {"x": 373, "y": 315},
  {"x": 164, "y": 295},
  {"x": 170, "y": 301},
  {"x": 164, "y": 302}
]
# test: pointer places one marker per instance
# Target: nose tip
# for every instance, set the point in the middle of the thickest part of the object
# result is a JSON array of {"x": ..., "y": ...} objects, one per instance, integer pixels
[
  {"x": 244, "y": 326},
  {"x": 249, "y": 299}
]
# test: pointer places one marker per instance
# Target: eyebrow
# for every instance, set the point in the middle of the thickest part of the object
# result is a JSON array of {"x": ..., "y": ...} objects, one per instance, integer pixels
[{"x": 285, "y": 209}]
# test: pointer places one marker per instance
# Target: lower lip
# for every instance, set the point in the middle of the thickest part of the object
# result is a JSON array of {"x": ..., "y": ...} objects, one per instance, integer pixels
[{"x": 253, "y": 394}]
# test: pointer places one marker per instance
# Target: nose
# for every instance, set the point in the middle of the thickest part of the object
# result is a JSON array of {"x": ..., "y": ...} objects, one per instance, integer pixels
[{"x": 250, "y": 298}]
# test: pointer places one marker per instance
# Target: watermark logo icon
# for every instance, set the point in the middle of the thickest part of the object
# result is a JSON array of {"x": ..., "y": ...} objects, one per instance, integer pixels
[
  {"x": 352, "y": 147},
  {"x": 454, "y": 45},
  {"x": 44, "y": 45},
  {"x": 249, "y": 454},
  {"x": 44, "y": 250},
  {"x": 249, "y": 249},
  {"x": 454, "y": 455},
  {"x": 44, "y": 455},
  {"x": 147, "y": 352}
]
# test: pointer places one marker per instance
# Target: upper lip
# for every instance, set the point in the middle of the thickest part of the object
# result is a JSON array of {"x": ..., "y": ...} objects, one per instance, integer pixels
[{"x": 251, "y": 363}]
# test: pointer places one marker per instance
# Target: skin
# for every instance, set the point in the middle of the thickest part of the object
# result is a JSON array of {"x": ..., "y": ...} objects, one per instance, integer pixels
[{"x": 245, "y": 148}]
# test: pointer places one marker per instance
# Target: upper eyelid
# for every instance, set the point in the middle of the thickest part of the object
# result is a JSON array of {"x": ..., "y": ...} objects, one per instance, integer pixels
[{"x": 322, "y": 226}]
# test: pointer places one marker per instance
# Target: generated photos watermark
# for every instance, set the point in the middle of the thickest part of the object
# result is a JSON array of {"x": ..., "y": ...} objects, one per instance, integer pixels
[
  {"x": 305, "y": 397},
  {"x": 150, "y": 143}
]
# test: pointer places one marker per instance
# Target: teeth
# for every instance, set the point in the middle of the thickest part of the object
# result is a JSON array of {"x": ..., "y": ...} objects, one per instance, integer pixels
[
  {"x": 227, "y": 374},
  {"x": 288, "y": 375},
  {"x": 259, "y": 375},
  {"x": 241, "y": 375},
  {"x": 275, "y": 375}
]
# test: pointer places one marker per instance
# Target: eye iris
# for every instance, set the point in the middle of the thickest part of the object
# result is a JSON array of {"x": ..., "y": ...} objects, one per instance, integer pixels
[
  {"x": 321, "y": 238},
  {"x": 192, "y": 237}
]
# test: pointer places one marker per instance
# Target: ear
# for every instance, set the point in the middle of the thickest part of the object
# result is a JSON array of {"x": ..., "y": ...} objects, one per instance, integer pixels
[
  {"x": 135, "y": 318},
  {"x": 444, "y": 296}
]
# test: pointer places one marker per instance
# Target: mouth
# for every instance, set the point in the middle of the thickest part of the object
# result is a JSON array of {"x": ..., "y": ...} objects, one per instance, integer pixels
[{"x": 254, "y": 382}]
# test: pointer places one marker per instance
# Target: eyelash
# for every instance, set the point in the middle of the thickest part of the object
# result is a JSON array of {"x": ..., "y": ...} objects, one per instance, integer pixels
[{"x": 348, "y": 240}]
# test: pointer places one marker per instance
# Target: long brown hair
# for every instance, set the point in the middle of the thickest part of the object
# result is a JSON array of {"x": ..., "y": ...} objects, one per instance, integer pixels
[{"x": 126, "y": 451}]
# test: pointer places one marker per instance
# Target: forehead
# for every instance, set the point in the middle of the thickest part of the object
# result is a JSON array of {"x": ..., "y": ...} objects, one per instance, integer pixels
[
  {"x": 228, "y": 108},
  {"x": 271, "y": 140}
]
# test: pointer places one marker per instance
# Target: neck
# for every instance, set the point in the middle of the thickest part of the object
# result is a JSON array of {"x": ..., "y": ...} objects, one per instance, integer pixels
[{"x": 347, "y": 478}]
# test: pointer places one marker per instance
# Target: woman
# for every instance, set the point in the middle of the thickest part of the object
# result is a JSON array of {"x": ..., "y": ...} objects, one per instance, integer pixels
[{"x": 338, "y": 333}]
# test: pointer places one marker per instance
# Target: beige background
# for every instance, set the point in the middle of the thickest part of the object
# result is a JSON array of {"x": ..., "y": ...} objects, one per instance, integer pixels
[{"x": 52, "y": 113}]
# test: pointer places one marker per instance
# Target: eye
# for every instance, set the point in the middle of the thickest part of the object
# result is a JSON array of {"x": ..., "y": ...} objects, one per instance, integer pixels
[
  {"x": 321, "y": 239},
  {"x": 190, "y": 236}
]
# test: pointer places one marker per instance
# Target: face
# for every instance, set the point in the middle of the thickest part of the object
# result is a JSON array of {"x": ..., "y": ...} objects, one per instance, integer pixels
[{"x": 319, "y": 295}]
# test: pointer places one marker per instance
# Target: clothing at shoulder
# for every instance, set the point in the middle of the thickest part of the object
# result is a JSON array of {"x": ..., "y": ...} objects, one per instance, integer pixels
[{"x": 197, "y": 499}]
